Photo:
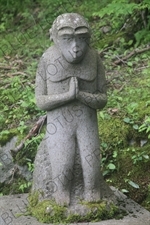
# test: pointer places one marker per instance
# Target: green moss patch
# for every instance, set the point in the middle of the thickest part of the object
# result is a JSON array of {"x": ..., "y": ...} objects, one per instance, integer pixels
[
  {"x": 48, "y": 211},
  {"x": 114, "y": 131}
]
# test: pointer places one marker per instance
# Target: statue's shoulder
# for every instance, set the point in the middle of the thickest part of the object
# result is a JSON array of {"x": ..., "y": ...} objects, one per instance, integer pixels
[
  {"x": 93, "y": 51},
  {"x": 92, "y": 54},
  {"x": 51, "y": 53}
]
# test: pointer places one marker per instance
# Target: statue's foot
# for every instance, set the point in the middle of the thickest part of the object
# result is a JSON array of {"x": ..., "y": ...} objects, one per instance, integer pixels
[
  {"x": 92, "y": 196},
  {"x": 62, "y": 197}
]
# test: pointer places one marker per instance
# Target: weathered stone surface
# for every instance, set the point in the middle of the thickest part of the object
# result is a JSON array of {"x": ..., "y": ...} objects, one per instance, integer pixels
[{"x": 13, "y": 205}]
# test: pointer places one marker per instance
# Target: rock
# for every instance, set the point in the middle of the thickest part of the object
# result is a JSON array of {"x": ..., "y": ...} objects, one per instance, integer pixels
[{"x": 8, "y": 167}]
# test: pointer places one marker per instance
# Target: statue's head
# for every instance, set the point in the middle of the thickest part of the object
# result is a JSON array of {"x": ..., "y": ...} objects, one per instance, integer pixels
[{"x": 71, "y": 34}]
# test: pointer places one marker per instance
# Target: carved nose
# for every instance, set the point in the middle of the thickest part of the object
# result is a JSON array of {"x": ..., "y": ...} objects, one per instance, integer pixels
[{"x": 76, "y": 49}]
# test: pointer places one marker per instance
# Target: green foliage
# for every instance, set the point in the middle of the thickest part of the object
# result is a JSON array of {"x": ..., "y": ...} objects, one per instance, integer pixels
[
  {"x": 10, "y": 9},
  {"x": 139, "y": 155},
  {"x": 145, "y": 126},
  {"x": 133, "y": 184},
  {"x": 124, "y": 128},
  {"x": 146, "y": 202},
  {"x": 130, "y": 177},
  {"x": 25, "y": 186},
  {"x": 118, "y": 8},
  {"x": 16, "y": 186},
  {"x": 7, "y": 135},
  {"x": 132, "y": 17},
  {"x": 30, "y": 165},
  {"x": 17, "y": 102},
  {"x": 27, "y": 154}
]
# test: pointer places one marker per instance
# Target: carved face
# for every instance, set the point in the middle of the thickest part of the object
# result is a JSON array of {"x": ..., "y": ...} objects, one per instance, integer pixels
[{"x": 73, "y": 43}]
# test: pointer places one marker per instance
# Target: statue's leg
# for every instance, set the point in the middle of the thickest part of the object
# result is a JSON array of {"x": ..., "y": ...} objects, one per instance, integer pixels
[
  {"x": 88, "y": 143},
  {"x": 61, "y": 147}
]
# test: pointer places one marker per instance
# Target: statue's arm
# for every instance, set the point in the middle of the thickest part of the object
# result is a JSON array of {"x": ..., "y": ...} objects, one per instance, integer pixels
[
  {"x": 98, "y": 99},
  {"x": 48, "y": 102}
]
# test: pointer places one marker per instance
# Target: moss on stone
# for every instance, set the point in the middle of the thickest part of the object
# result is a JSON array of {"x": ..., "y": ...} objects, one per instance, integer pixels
[
  {"x": 48, "y": 211},
  {"x": 114, "y": 132},
  {"x": 33, "y": 198},
  {"x": 102, "y": 210}
]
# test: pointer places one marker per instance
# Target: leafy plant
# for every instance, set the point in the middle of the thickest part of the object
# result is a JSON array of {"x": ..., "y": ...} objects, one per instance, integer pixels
[
  {"x": 139, "y": 155},
  {"x": 23, "y": 187},
  {"x": 133, "y": 184},
  {"x": 126, "y": 16},
  {"x": 145, "y": 126},
  {"x": 30, "y": 165},
  {"x": 22, "y": 127}
]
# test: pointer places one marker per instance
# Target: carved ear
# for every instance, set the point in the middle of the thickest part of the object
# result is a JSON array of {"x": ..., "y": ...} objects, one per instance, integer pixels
[{"x": 51, "y": 35}]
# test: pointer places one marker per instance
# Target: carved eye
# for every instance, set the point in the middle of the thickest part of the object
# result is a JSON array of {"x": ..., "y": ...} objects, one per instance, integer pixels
[
  {"x": 68, "y": 38},
  {"x": 82, "y": 38}
]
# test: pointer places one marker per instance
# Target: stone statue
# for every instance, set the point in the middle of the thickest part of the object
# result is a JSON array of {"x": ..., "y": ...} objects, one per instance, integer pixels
[{"x": 70, "y": 86}]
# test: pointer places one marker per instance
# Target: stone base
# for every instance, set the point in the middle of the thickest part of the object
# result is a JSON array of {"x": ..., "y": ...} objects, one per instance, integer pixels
[{"x": 12, "y": 206}]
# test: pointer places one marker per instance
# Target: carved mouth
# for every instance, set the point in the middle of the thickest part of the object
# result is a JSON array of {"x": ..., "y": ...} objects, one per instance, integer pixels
[{"x": 76, "y": 55}]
